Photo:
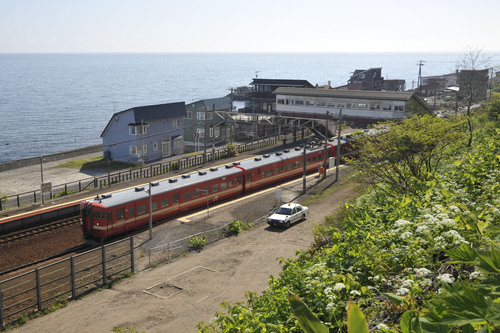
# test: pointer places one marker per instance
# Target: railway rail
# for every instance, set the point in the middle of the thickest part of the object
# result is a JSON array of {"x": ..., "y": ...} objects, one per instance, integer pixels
[{"x": 18, "y": 235}]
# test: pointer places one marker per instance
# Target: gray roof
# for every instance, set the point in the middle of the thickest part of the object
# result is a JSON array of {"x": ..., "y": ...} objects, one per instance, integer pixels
[
  {"x": 157, "y": 112},
  {"x": 363, "y": 94},
  {"x": 149, "y": 113},
  {"x": 221, "y": 103}
]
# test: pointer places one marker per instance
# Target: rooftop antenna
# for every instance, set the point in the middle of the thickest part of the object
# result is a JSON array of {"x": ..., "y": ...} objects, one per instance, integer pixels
[{"x": 257, "y": 74}]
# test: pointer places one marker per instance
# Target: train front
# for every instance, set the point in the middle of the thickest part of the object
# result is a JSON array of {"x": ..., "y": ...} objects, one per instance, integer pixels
[{"x": 93, "y": 220}]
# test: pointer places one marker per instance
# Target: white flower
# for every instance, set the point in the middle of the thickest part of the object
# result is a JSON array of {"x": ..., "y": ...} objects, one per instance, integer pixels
[
  {"x": 402, "y": 291},
  {"x": 475, "y": 276},
  {"x": 339, "y": 286},
  {"x": 355, "y": 293},
  {"x": 406, "y": 235},
  {"x": 330, "y": 306},
  {"x": 423, "y": 229},
  {"x": 423, "y": 272},
  {"x": 401, "y": 223},
  {"x": 407, "y": 283},
  {"x": 382, "y": 326},
  {"x": 328, "y": 290},
  {"x": 446, "y": 278}
]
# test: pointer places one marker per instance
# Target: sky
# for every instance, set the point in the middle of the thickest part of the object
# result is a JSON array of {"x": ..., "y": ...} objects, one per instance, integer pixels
[{"x": 162, "y": 26}]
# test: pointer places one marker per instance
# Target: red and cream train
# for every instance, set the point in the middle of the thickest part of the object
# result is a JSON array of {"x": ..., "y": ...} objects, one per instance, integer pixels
[{"x": 113, "y": 214}]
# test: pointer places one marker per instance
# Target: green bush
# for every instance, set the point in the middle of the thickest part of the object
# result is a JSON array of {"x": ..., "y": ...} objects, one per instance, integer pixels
[
  {"x": 197, "y": 243},
  {"x": 236, "y": 227}
]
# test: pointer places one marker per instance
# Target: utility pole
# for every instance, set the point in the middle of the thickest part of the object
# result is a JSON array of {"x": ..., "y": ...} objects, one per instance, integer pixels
[
  {"x": 304, "y": 172},
  {"x": 337, "y": 160},
  {"x": 213, "y": 132},
  {"x": 326, "y": 144},
  {"x": 41, "y": 175},
  {"x": 420, "y": 64},
  {"x": 150, "y": 213},
  {"x": 205, "y": 138}
]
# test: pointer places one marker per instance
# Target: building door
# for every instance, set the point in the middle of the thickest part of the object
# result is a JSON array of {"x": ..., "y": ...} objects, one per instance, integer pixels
[{"x": 165, "y": 147}]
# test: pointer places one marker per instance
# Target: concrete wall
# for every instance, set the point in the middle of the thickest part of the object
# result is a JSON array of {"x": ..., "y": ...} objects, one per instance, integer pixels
[{"x": 11, "y": 165}]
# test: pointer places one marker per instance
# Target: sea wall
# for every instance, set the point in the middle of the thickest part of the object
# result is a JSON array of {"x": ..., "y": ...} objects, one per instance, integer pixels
[{"x": 11, "y": 165}]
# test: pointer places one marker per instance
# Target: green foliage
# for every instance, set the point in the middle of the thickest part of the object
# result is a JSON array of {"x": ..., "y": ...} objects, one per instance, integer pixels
[
  {"x": 197, "y": 243},
  {"x": 425, "y": 260},
  {"x": 404, "y": 154},
  {"x": 231, "y": 149},
  {"x": 356, "y": 321},
  {"x": 307, "y": 320},
  {"x": 236, "y": 227},
  {"x": 493, "y": 107}
]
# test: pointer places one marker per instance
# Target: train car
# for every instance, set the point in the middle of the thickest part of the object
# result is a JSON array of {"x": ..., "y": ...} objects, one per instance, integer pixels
[{"x": 112, "y": 214}]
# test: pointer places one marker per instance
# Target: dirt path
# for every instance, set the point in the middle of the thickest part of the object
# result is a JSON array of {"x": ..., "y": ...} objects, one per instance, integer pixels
[{"x": 176, "y": 296}]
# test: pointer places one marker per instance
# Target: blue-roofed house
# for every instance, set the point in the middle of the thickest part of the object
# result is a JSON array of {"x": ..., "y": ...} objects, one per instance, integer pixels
[{"x": 146, "y": 133}]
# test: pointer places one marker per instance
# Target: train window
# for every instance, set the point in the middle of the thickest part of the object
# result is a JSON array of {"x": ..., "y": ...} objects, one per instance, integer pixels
[
  {"x": 249, "y": 177},
  {"x": 296, "y": 164},
  {"x": 314, "y": 158},
  {"x": 165, "y": 202},
  {"x": 175, "y": 198},
  {"x": 283, "y": 167},
  {"x": 155, "y": 205},
  {"x": 131, "y": 212},
  {"x": 263, "y": 174},
  {"x": 215, "y": 188},
  {"x": 230, "y": 183},
  {"x": 308, "y": 161},
  {"x": 320, "y": 157},
  {"x": 223, "y": 186},
  {"x": 186, "y": 196},
  {"x": 289, "y": 166},
  {"x": 109, "y": 216},
  {"x": 205, "y": 190},
  {"x": 238, "y": 179},
  {"x": 196, "y": 193},
  {"x": 119, "y": 214},
  {"x": 141, "y": 209},
  {"x": 99, "y": 215},
  {"x": 270, "y": 172},
  {"x": 276, "y": 171}
]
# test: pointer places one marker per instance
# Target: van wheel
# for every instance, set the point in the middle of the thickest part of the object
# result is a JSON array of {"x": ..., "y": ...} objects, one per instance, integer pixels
[{"x": 303, "y": 217}]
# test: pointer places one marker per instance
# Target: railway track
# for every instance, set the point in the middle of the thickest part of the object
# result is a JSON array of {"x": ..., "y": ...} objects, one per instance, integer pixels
[{"x": 18, "y": 235}]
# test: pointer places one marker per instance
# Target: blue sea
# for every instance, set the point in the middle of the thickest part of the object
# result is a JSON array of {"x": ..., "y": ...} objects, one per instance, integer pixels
[{"x": 56, "y": 102}]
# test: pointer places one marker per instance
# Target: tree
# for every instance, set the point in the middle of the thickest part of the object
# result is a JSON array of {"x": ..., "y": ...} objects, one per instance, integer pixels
[
  {"x": 404, "y": 154},
  {"x": 473, "y": 82}
]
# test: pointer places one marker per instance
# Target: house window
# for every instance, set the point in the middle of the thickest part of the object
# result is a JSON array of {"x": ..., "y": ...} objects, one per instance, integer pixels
[
  {"x": 201, "y": 132},
  {"x": 189, "y": 114},
  {"x": 176, "y": 123},
  {"x": 155, "y": 146},
  {"x": 137, "y": 130},
  {"x": 211, "y": 133},
  {"x": 299, "y": 102},
  {"x": 178, "y": 142},
  {"x": 138, "y": 150},
  {"x": 200, "y": 115},
  {"x": 281, "y": 101}
]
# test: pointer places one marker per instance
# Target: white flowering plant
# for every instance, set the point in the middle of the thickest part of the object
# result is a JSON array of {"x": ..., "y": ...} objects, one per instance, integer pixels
[{"x": 415, "y": 261}]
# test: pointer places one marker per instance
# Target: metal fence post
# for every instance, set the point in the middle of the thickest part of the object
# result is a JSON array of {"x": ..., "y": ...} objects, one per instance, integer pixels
[
  {"x": 38, "y": 290},
  {"x": 132, "y": 255},
  {"x": 1, "y": 308},
  {"x": 73, "y": 287},
  {"x": 103, "y": 265}
]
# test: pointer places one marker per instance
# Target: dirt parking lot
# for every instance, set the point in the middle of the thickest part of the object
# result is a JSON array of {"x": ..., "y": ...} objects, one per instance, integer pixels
[{"x": 175, "y": 297}]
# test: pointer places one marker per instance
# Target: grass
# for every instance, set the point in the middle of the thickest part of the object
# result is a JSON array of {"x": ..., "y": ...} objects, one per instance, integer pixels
[{"x": 94, "y": 163}]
